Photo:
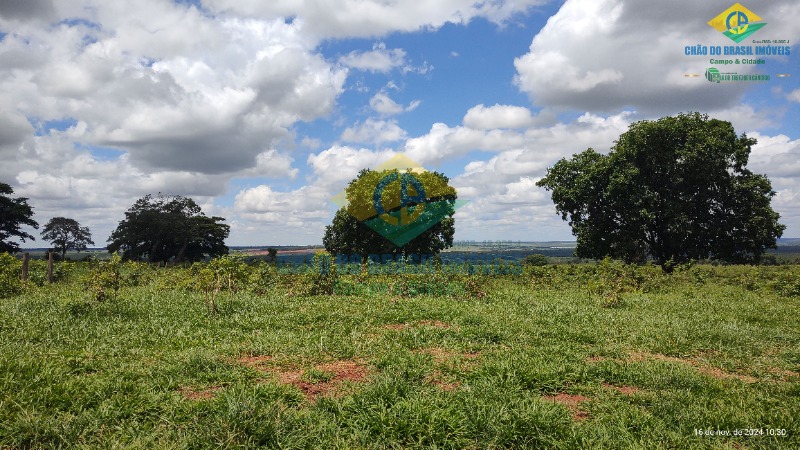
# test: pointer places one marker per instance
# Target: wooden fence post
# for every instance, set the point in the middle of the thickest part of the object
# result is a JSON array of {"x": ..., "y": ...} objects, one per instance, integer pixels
[
  {"x": 50, "y": 267},
  {"x": 26, "y": 258}
]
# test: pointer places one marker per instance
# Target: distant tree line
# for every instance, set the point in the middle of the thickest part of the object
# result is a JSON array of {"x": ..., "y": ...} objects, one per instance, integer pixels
[{"x": 155, "y": 229}]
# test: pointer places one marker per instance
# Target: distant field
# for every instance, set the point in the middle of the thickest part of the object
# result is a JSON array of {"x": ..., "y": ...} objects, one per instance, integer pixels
[
  {"x": 568, "y": 357},
  {"x": 788, "y": 251}
]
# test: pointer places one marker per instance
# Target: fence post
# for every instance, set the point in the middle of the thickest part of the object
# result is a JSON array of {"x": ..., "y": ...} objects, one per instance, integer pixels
[
  {"x": 50, "y": 267},
  {"x": 26, "y": 257}
]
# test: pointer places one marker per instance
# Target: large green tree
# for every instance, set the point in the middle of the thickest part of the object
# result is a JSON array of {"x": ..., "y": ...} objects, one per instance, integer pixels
[
  {"x": 674, "y": 189},
  {"x": 65, "y": 233},
  {"x": 14, "y": 213},
  {"x": 349, "y": 233},
  {"x": 168, "y": 228}
]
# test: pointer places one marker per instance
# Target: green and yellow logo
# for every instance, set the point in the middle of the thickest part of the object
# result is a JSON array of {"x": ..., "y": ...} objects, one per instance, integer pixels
[
  {"x": 400, "y": 200},
  {"x": 737, "y": 22}
]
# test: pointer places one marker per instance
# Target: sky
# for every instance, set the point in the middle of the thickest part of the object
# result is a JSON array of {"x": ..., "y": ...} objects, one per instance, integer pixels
[{"x": 263, "y": 111}]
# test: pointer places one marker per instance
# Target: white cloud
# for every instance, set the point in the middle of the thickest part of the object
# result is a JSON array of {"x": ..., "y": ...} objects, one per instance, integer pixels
[
  {"x": 264, "y": 204},
  {"x": 379, "y": 59},
  {"x": 371, "y": 18},
  {"x": 776, "y": 156},
  {"x": 177, "y": 89},
  {"x": 385, "y": 106},
  {"x": 794, "y": 96},
  {"x": 374, "y": 131},
  {"x": 335, "y": 167},
  {"x": 498, "y": 116}
]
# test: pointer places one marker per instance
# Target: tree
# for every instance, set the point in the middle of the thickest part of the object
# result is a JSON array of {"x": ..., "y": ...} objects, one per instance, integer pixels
[
  {"x": 65, "y": 234},
  {"x": 14, "y": 212},
  {"x": 411, "y": 223},
  {"x": 674, "y": 189},
  {"x": 168, "y": 228}
]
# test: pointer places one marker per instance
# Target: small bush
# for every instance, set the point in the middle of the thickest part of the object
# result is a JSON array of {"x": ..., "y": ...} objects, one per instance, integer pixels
[
  {"x": 105, "y": 279},
  {"x": 10, "y": 283},
  {"x": 535, "y": 259}
]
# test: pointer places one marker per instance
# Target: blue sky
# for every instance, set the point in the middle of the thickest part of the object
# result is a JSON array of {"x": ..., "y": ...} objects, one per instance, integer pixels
[{"x": 262, "y": 111}]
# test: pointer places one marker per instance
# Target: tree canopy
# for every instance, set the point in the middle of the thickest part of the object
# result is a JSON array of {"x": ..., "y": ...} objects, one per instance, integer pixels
[
  {"x": 674, "y": 189},
  {"x": 393, "y": 212},
  {"x": 65, "y": 234},
  {"x": 14, "y": 213},
  {"x": 168, "y": 228}
]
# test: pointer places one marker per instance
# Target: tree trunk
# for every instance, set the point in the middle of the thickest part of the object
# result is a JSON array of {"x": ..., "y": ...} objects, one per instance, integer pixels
[
  {"x": 26, "y": 258},
  {"x": 179, "y": 257}
]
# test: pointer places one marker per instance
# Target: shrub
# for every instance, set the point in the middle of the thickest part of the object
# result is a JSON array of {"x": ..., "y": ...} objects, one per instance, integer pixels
[
  {"x": 105, "y": 279},
  {"x": 535, "y": 259},
  {"x": 10, "y": 283}
]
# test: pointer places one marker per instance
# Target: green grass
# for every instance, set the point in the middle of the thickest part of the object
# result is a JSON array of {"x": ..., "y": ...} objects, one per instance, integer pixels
[{"x": 154, "y": 369}]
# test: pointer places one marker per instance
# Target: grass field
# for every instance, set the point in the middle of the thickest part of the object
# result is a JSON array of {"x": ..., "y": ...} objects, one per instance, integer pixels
[{"x": 531, "y": 362}]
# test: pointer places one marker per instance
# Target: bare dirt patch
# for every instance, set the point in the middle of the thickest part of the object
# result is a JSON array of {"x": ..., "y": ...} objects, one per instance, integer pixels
[
  {"x": 783, "y": 373},
  {"x": 395, "y": 326},
  {"x": 436, "y": 378},
  {"x": 345, "y": 370},
  {"x": 436, "y": 324},
  {"x": 713, "y": 372},
  {"x": 339, "y": 373},
  {"x": 572, "y": 402},
  {"x": 199, "y": 394}
]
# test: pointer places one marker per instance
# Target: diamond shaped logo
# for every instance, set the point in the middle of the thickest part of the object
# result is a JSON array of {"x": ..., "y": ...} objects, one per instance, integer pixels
[
  {"x": 400, "y": 200},
  {"x": 737, "y": 23}
]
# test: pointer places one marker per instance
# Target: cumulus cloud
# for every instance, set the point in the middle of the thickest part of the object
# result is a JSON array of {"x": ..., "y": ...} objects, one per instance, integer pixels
[
  {"x": 498, "y": 116},
  {"x": 379, "y": 59},
  {"x": 374, "y": 131},
  {"x": 794, "y": 96},
  {"x": 196, "y": 94},
  {"x": 370, "y": 18},
  {"x": 601, "y": 55},
  {"x": 333, "y": 168},
  {"x": 778, "y": 156},
  {"x": 385, "y": 106}
]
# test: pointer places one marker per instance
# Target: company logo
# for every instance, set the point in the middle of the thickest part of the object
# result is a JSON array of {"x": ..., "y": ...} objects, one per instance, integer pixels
[
  {"x": 737, "y": 22},
  {"x": 400, "y": 200},
  {"x": 715, "y": 76}
]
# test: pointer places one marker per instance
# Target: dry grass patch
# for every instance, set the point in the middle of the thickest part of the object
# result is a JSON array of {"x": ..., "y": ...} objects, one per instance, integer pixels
[
  {"x": 572, "y": 402},
  {"x": 595, "y": 359},
  {"x": 322, "y": 379},
  {"x": 435, "y": 324},
  {"x": 625, "y": 390},
  {"x": 436, "y": 378},
  {"x": 206, "y": 393},
  {"x": 255, "y": 361},
  {"x": 698, "y": 364}
]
